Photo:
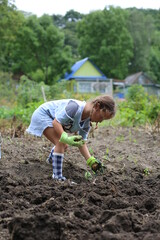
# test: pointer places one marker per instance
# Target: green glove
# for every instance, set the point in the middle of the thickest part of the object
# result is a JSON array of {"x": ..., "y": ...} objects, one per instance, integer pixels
[
  {"x": 76, "y": 141},
  {"x": 95, "y": 164}
]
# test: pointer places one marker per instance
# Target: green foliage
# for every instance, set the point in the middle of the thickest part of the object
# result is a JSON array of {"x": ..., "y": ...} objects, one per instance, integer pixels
[
  {"x": 136, "y": 97},
  {"x": 120, "y": 138},
  {"x": 138, "y": 109},
  {"x": 146, "y": 171},
  {"x": 88, "y": 175},
  {"x": 153, "y": 108},
  {"x": 59, "y": 90},
  {"x": 40, "y": 52},
  {"x": 141, "y": 28},
  {"x": 10, "y": 22},
  {"x": 29, "y": 91},
  {"x": 6, "y": 113},
  {"x": 103, "y": 35},
  {"x": 155, "y": 57},
  {"x": 68, "y": 24},
  {"x": 22, "y": 114},
  {"x": 129, "y": 117},
  {"x": 38, "y": 75},
  {"x": 7, "y": 89},
  {"x": 119, "y": 41},
  {"x": 91, "y": 151}
]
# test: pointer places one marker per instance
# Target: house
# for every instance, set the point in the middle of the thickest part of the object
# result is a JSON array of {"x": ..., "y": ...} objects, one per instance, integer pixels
[
  {"x": 140, "y": 78},
  {"x": 88, "y": 78},
  {"x": 143, "y": 79}
]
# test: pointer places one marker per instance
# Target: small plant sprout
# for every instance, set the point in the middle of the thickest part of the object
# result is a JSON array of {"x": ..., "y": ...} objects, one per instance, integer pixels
[
  {"x": 131, "y": 138},
  {"x": 120, "y": 138},
  {"x": 135, "y": 161},
  {"x": 106, "y": 156},
  {"x": 120, "y": 158},
  {"x": 88, "y": 175},
  {"x": 146, "y": 171},
  {"x": 107, "y": 151},
  {"x": 91, "y": 150}
]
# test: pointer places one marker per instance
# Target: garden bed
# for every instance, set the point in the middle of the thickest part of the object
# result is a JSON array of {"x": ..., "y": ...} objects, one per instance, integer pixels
[{"x": 121, "y": 203}]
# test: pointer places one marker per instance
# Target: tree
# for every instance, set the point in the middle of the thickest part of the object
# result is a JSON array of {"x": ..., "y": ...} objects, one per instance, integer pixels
[
  {"x": 155, "y": 49},
  {"x": 41, "y": 49},
  {"x": 58, "y": 21},
  {"x": 154, "y": 58},
  {"x": 68, "y": 24},
  {"x": 10, "y": 22},
  {"x": 141, "y": 28},
  {"x": 104, "y": 38}
]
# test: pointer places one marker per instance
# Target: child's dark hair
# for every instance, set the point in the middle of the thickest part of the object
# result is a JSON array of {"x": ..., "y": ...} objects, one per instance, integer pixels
[{"x": 105, "y": 103}]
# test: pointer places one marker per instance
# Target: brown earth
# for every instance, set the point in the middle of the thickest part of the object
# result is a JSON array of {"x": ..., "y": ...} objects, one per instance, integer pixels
[{"x": 123, "y": 203}]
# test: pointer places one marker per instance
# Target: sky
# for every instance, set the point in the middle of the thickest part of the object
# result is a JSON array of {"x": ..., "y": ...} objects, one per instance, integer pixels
[{"x": 51, "y": 7}]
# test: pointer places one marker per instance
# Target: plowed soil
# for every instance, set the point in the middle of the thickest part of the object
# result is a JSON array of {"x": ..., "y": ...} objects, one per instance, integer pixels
[{"x": 123, "y": 203}]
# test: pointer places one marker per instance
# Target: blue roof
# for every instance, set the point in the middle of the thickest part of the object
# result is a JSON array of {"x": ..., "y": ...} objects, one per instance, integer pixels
[{"x": 77, "y": 65}]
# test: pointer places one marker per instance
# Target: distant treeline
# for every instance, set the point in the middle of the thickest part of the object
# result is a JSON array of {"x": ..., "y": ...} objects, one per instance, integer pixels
[{"x": 119, "y": 41}]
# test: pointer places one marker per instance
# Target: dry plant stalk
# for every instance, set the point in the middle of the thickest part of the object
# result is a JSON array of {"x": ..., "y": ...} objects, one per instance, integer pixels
[
  {"x": 17, "y": 129},
  {"x": 155, "y": 127}
]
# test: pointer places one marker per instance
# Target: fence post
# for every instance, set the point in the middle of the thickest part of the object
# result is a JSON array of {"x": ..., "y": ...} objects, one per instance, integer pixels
[
  {"x": 43, "y": 93},
  {"x": 111, "y": 86}
]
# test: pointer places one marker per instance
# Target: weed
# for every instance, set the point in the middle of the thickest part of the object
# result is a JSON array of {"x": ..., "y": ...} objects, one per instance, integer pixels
[
  {"x": 131, "y": 137},
  {"x": 106, "y": 156},
  {"x": 146, "y": 171},
  {"x": 107, "y": 151},
  {"x": 135, "y": 161},
  {"x": 120, "y": 138},
  {"x": 91, "y": 150},
  {"x": 120, "y": 158},
  {"x": 88, "y": 175}
]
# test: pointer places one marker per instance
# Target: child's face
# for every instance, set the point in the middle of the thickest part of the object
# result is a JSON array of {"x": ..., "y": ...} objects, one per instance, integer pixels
[{"x": 98, "y": 115}]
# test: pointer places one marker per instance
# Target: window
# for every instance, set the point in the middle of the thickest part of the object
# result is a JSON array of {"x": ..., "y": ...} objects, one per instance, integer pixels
[{"x": 84, "y": 87}]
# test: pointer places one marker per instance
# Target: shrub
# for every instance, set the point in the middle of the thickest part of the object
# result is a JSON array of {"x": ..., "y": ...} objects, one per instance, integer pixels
[
  {"x": 137, "y": 97},
  {"x": 29, "y": 91},
  {"x": 7, "y": 89}
]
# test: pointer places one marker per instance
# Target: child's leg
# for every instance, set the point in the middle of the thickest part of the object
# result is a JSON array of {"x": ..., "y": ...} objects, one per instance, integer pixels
[
  {"x": 49, "y": 159},
  {"x": 57, "y": 160},
  {"x": 58, "y": 154}
]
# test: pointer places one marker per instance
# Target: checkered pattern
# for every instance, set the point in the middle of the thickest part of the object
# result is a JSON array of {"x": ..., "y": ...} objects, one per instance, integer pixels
[
  {"x": 57, "y": 160},
  {"x": 49, "y": 159}
]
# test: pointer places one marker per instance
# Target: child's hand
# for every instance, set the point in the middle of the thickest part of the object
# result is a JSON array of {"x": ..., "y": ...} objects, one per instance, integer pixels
[
  {"x": 76, "y": 140},
  {"x": 95, "y": 164}
]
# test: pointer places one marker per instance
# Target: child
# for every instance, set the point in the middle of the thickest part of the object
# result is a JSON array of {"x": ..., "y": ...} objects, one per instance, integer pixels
[{"x": 55, "y": 118}]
